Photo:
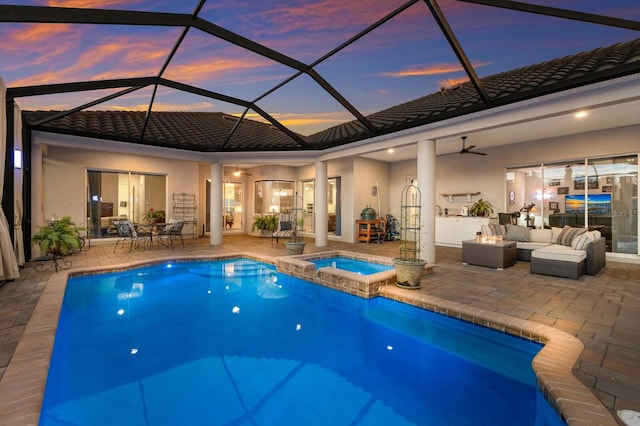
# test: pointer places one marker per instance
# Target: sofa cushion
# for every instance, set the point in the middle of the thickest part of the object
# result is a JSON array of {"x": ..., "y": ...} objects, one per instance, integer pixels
[
  {"x": 521, "y": 245},
  {"x": 582, "y": 241},
  {"x": 560, "y": 253},
  {"x": 568, "y": 234},
  {"x": 517, "y": 233},
  {"x": 540, "y": 235},
  {"x": 555, "y": 232}
]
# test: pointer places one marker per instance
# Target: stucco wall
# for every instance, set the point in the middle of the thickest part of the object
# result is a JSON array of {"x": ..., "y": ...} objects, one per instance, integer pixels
[{"x": 455, "y": 173}]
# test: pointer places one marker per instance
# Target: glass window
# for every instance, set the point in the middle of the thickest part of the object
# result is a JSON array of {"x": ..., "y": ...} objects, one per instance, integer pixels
[
  {"x": 333, "y": 205},
  {"x": 308, "y": 197},
  {"x": 601, "y": 193},
  {"x": 273, "y": 196},
  {"x": 232, "y": 193},
  {"x": 122, "y": 195}
]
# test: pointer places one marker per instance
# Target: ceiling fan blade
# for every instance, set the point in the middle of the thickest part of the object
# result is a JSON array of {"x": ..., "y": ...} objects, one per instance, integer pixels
[
  {"x": 477, "y": 153},
  {"x": 470, "y": 147}
]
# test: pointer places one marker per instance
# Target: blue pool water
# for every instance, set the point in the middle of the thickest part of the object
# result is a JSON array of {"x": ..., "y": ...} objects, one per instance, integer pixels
[
  {"x": 235, "y": 343},
  {"x": 353, "y": 265}
]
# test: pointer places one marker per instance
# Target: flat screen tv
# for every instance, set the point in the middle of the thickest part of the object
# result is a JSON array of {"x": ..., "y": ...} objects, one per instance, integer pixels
[{"x": 598, "y": 204}]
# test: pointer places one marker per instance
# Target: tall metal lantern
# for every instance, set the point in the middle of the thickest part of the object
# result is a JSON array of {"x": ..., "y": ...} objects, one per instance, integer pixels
[{"x": 409, "y": 266}]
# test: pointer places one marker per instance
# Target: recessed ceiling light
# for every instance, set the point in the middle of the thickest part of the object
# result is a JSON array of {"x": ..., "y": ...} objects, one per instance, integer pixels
[
  {"x": 391, "y": 150},
  {"x": 581, "y": 114}
]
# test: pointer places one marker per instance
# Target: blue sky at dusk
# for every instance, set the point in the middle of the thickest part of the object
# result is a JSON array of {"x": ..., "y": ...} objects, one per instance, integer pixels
[{"x": 405, "y": 58}]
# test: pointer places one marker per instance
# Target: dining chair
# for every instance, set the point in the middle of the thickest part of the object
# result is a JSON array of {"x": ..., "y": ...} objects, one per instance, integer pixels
[
  {"x": 125, "y": 230},
  {"x": 171, "y": 232}
]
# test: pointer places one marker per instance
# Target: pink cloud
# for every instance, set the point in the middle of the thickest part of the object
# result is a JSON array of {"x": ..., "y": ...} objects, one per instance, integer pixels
[{"x": 431, "y": 70}]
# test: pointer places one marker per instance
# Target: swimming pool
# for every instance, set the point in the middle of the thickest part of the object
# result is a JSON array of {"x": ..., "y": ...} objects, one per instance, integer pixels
[
  {"x": 353, "y": 265},
  {"x": 234, "y": 342}
]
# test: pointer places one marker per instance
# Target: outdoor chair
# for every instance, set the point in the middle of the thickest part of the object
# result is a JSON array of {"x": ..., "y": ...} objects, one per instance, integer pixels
[
  {"x": 145, "y": 234},
  {"x": 171, "y": 232},
  {"x": 125, "y": 231},
  {"x": 285, "y": 228}
]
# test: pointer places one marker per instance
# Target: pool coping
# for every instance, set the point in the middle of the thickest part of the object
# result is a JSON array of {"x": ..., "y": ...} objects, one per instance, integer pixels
[
  {"x": 22, "y": 385},
  {"x": 365, "y": 286}
]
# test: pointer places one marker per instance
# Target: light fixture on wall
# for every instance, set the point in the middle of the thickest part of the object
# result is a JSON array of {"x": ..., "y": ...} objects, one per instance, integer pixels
[{"x": 17, "y": 159}]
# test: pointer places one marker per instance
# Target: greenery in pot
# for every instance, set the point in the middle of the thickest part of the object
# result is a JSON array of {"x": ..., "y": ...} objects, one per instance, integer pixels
[
  {"x": 265, "y": 222},
  {"x": 58, "y": 238},
  {"x": 153, "y": 216},
  {"x": 481, "y": 208}
]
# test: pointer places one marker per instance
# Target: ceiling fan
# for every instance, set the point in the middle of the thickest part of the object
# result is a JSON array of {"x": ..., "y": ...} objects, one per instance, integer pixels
[
  {"x": 465, "y": 150},
  {"x": 237, "y": 172}
]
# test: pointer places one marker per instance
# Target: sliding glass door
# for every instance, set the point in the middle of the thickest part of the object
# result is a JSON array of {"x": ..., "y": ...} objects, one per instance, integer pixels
[
  {"x": 601, "y": 193},
  {"x": 232, "y": 202},
  {"x": 122, "y": 195}
]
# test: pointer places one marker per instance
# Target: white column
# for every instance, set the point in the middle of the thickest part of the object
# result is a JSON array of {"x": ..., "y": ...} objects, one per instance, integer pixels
[
  {"x": 215, "y": 219},
  {"x": 320, "y": 204},
  {"x": 426, "y": 167}
]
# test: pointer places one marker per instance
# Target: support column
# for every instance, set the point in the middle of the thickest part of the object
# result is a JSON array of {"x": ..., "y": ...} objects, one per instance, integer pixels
[
  {"x": 426, "y": 167},
  {"x": 215, "y": 218},
  {"x": 320, "y": 204}
]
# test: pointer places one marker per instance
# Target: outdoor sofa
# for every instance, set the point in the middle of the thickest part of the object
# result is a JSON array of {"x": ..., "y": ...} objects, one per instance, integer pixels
[{"x": 564, "y": 252}]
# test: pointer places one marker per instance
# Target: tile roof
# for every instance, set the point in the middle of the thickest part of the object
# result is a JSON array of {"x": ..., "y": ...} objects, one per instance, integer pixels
[{"x": 214, "y": 131}]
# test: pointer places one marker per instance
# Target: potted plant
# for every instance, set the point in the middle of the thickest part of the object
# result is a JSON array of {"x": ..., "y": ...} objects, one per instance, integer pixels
[
  {"x": 296, "y": 242},
  {"x": 152, "y": 216},
  {"x": 57, "y": 239},
  {"x": 264, "y": 223},
  {"x": 409, "y": 267},
  {"x": 481, "y": 208}
]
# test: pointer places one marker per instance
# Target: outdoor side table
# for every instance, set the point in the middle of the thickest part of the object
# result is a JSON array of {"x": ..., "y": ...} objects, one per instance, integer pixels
[{"x": 498, "y": 254}]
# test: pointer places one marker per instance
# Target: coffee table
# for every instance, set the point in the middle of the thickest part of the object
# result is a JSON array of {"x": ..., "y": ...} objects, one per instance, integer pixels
[{"x": 498, "y": 255}]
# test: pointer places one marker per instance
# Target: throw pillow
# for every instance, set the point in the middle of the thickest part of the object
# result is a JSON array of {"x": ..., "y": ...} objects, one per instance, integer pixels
[
  {"x": 517, "y": 233},
  {"x": 555, "y": 232},
  {"x": 498, "y": 229},
  {"x": 486, "y": 231},
  {"x": 596, "y": 234},
  {"x": 568, "y": 234},
  {"x": 582, "y": 241}
]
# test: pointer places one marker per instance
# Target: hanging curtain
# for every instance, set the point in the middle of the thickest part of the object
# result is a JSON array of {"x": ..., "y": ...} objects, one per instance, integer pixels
[
  {"x": 18, "y": 207},
  {"x": 9, "y": 265}
]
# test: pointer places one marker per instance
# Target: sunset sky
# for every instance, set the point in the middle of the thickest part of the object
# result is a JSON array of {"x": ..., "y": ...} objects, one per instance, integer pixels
[{"x": 404, "y": 59}]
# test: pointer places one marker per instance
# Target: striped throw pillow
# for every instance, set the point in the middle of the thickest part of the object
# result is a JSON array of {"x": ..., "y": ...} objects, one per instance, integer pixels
[
  {"x": 498, "y": 229},
  {"x": 582, "y": 241},
  {"x": 568, "y": 234}
]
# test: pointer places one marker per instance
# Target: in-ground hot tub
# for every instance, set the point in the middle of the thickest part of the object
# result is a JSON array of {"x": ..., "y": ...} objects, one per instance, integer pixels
[{"x": 348, "y": 281}]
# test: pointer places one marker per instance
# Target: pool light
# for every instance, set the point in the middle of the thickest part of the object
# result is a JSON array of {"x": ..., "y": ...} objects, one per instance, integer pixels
[{"x": 120, "y": 312}]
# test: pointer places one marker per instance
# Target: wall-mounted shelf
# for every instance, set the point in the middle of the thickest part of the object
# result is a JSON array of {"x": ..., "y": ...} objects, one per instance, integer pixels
[{"x": 463, "y": 194}]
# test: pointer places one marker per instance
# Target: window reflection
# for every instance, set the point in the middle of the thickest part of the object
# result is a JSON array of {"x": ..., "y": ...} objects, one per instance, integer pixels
[
  {"x": 600, "y": 193},
  {"x": 273, "y": 196},
  {"x": 122, "y": 195}
]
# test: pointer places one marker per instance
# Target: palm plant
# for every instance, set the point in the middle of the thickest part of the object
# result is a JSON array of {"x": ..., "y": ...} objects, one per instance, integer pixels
[
  {"x": 265, "y": 222},
  {"x": 60, "y": 237}
]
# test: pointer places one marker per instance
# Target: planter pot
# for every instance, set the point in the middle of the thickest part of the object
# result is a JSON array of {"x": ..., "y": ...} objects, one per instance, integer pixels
[
  {"x": 409, "y": 272},
  {"x": 294, "y": 248}
]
